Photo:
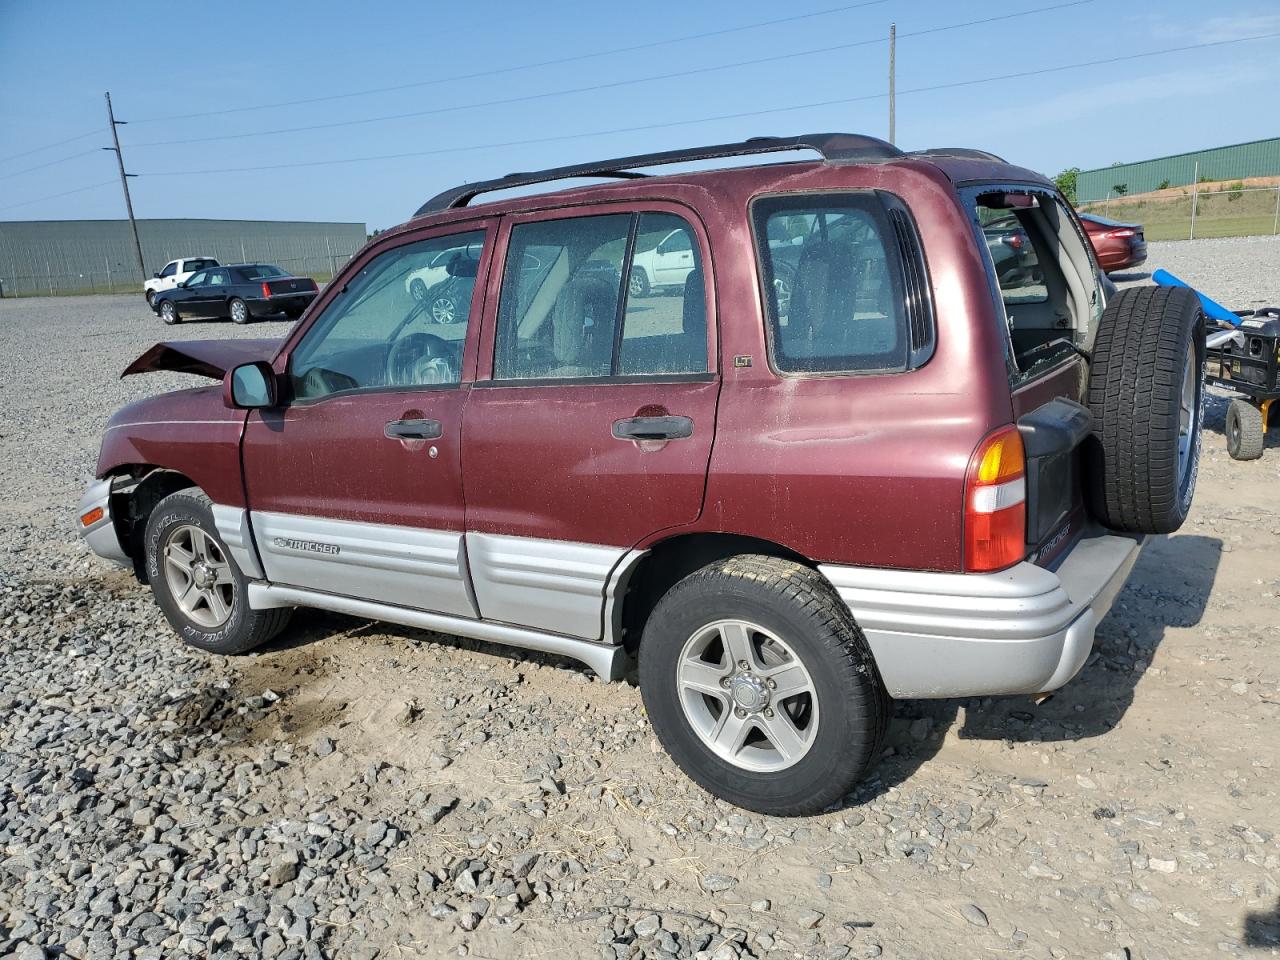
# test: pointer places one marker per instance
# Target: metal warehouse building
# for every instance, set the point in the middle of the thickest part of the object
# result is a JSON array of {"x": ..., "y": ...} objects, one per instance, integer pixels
[
  {"x": 51, "y": 257},
  {"x": 1257, "y": 158}
]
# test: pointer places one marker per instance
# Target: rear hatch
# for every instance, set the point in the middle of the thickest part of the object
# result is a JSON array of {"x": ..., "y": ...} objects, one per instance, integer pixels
[{"x": 1049, "y": 301}]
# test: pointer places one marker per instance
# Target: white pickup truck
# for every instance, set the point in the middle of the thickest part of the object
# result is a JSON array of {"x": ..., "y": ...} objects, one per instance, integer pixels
[{"x": 174, "y": 272}]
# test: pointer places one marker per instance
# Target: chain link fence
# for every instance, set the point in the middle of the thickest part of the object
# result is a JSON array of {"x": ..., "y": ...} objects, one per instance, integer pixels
[
  {"x": 1203, "y": 210},
  {"x": 59, "y": 258}
]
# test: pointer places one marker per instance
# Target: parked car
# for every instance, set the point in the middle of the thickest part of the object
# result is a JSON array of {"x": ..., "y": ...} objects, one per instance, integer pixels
[
  {"x": 1118, "y": 246},
  {"x": 1010, "y": 250},
  {"x": 241, "y": 291},
  {"x": 418, "y": 282},
  {"x": 902, "y": 485},
  {"x": 173, "y": 273}
]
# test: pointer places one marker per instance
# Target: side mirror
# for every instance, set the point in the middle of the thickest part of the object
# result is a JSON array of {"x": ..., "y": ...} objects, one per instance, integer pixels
[
  {"x": 155, "y": 276},
  {"x": 250, "y": 386}
]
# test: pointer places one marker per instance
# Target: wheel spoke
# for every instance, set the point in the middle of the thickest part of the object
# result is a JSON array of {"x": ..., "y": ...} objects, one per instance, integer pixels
[
  {"x": 190, "y": 594},
  {"x": 180, "y": 556},
  {"x": 731, "y": 732},
  {"x": 703, "y": 677},
  {"x": 790, "y": 679},
  {"x": 217, "y": 605},
  {"x": 782, "y": 733},
  {"x": 737, "y": 644},
  {"x": 222, "y": 573}
]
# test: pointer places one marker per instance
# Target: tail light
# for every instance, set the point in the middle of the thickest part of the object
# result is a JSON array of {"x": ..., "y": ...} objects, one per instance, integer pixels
[
  {"x": 995, "y": 503},
  {"x": 1013, "y": 240},
  {"x": 1124, "y": 234},
  {"x": 266, "y": 289}
]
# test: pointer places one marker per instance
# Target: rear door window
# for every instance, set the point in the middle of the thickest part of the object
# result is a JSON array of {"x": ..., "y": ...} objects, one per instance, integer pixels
[
  {"x": 836, "y": 298},
  {"x": 568, "y": 311}
]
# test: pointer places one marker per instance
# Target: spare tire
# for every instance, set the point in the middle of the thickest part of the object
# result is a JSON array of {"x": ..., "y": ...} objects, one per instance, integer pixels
[{"x": 1146, "y": 394}]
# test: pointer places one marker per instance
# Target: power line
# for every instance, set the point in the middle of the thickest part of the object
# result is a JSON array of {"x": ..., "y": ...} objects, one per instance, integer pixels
[
  {"x": 723, "y": 116},
  {"x": 525, "y": 98},
  {"x": 54, "y": 196},
  {"x": 512, "y": 69},
  {"x": 48, "y": 146},
  {"x": 51, "y": 163}
]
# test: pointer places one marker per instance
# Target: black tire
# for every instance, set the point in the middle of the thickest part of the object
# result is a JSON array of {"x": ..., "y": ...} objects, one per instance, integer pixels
[
  {"x": 150, "y": 295},
  {"x": 638, "y": 284},
  {"x": 169, "y": 313},
  {"x": 1245, "y": 433},
  {"x": 418, "y": 289},
  {"x": 238, "y": 310},
  {"x": 244, "y": 628},
  {"x": 798, "y": 605},
  {"x": 1149, "y": 343}
]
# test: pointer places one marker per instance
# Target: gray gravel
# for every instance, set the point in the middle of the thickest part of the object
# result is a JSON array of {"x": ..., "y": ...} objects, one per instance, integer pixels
[
  {"x": 358, "y": 790},
  {"x": 1239, "y": 272}
]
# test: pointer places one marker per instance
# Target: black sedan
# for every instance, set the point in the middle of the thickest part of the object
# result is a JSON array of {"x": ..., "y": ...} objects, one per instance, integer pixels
[{"x": 239, "y": 291}]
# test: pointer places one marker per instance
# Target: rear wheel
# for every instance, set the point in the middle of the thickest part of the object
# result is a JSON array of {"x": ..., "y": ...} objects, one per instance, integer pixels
[
  {"x": 761, "y": 686},
  {"x": 417, "y": 289},
  {"x": 1246, "y": 435},
  {"x": 168, "y": 312},
  {"x": 196, "y": 582},
  {"x": 1146, "y": 394},
  {"x": 239, "y": 311}
]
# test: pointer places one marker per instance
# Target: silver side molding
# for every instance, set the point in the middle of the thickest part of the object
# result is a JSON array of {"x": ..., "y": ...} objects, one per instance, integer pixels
[
  {"x": 233, "y": 528},
  {"x": 552, "y": 585},
  {"x": 605, "y": 659}
]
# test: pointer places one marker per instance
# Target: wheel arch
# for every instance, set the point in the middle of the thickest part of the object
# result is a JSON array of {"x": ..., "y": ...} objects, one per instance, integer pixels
[
  {"x": 138, "y": 489},
  {"x": 643, "y": 581}
]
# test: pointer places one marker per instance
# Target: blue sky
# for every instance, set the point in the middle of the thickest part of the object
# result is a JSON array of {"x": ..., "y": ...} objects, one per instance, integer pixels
[{"x": 165, "y": 59}]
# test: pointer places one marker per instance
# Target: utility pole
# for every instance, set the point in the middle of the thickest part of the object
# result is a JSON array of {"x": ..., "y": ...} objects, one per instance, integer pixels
[
  {"x": 1195, "y": 199},
  {"x": 124, "y": 183},
  {"x": 893, "y": 56}
]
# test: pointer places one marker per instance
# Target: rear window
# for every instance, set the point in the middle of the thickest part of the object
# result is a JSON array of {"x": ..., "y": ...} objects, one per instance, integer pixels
[
  {"x": 261, "y": 271},
  {"x": 835, "y": 286},
  {"x": 200, "y": 264}
]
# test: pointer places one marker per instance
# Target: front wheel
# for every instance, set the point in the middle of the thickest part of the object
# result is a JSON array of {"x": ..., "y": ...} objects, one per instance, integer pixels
[
  {"x": 239, "y": 311},
  {"x": 151, "y": 296},
  {"x": 1246, "y": 433},
  {"x": 196, "y": 582},
  {"x": 168, "y": 312},
  {"x": 638, "y": 284},
  {"x": 761, "y": 686}
]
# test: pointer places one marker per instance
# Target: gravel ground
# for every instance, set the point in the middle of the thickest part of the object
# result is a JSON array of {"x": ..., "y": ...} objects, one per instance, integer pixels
[{"x": 359, "y": 790}]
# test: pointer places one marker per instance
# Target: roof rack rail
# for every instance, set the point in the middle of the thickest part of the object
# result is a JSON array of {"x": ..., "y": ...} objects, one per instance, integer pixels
[
  {"x": 834, "y": 147},
  {"x": 959, "y": 153}
]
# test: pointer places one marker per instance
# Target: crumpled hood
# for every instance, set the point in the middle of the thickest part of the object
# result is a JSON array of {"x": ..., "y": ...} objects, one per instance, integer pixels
[{"x": 205, "y": 358}]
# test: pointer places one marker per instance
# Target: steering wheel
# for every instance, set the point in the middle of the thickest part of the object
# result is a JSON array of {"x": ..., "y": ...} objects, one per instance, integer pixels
[{"x": 417, "y": 359}]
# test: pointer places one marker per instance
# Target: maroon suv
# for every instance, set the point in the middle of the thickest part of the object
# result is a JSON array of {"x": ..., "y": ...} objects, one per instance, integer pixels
[{"x": 895, "y": 474}]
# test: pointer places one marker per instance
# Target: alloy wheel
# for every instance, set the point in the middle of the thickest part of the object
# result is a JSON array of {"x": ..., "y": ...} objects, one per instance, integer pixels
[
  {"x": 747, "y": 696},
  {"x": 199, "y": 576}
]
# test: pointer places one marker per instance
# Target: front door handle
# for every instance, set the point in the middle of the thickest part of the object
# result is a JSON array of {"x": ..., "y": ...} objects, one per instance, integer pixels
[
  {"x": 653, "y": 428},
  {"x": 413, "y": 430}
]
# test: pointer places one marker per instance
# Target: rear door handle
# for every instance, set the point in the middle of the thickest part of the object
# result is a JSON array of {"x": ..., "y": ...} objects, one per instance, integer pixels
[
  {"x": 653, "y": 428},
  {"x": 413, "y": 430}
]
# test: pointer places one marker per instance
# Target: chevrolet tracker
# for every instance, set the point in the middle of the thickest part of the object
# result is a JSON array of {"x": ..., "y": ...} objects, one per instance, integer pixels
[{"x": 826, "y": 454}]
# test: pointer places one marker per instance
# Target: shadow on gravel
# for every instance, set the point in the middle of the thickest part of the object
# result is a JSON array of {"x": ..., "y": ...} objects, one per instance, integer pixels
[
  {"x": 1169, "y": 587},
  {"x": 1262, "y": 929}
]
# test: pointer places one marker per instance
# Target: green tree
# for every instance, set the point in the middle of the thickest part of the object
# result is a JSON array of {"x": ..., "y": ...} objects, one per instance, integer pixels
[
  {"x": 1066, "y": 182},
  {"x": 1164, "y": 184},
  {"x": 1120, "y": 189}
]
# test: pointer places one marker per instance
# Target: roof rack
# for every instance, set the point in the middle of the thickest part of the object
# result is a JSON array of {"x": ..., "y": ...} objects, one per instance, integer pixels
[
  {"x": 834, "y": 147},
  {"x": 958, "y": 153}
]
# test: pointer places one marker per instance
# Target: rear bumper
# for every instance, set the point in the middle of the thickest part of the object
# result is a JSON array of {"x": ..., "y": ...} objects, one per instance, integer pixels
[
  {"x": 102, "y": 535},
  {"x": 280, "y": 303},
  {"x": 1021, "y": 630}
]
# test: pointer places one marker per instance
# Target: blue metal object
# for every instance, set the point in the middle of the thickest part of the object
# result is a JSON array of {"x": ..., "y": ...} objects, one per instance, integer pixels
[{"x": 1211, "y": 307}]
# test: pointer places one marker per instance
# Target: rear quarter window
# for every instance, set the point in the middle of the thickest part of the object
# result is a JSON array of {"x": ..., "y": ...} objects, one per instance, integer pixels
[{"x": 838, "y": 299}]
